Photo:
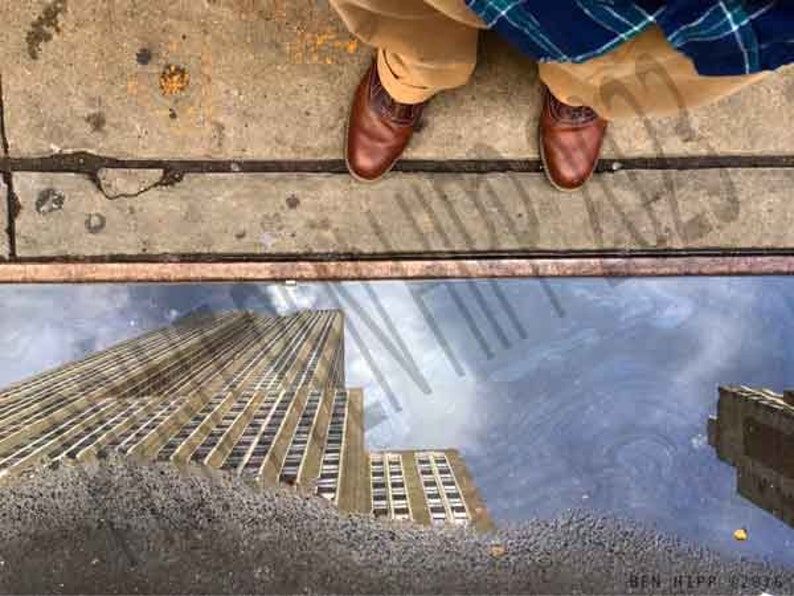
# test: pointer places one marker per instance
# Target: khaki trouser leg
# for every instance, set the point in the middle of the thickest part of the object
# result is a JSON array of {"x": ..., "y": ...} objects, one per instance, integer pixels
[
  {"x": 643, "y": 77},
  {"x": 424, "y": 46}
]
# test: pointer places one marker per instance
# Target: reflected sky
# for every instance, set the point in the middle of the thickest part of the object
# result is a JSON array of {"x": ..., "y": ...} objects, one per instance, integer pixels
[{"x": 561, "y": 394}]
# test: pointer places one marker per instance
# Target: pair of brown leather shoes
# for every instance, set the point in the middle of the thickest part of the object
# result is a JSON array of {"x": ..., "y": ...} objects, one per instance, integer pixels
[{"x": 379, "y": 129}]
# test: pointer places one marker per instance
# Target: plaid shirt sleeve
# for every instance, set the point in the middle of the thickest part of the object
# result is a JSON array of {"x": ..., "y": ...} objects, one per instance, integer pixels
[{"x": 725, "y": 37}]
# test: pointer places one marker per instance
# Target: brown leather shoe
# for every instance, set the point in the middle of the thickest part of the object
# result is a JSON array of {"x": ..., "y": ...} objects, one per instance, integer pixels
[
  {"x": 378, "y": 129},
  {"x": 570, "y": 142}
]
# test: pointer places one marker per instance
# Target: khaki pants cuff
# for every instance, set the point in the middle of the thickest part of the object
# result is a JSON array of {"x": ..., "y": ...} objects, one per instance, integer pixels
[{"x": 397, "y": 88}]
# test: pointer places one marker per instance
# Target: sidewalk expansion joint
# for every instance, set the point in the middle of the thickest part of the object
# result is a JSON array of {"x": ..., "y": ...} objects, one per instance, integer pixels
[
  {"x": 90, "y": 164},
  {"x": 447, "y": 256},
  {"x": 12, "y": 202}
]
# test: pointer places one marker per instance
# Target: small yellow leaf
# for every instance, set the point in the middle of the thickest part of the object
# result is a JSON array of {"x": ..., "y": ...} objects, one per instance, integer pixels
[{"x": 740, "y": 534}]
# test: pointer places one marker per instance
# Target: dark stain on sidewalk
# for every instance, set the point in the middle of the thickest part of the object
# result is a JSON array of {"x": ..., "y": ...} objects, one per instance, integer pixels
[
  {"x": 95, "y": 223},
  {"x": 144, "y": 56},
  {"x": 97, "y": 121},
  {"x": 49, "y": 200},
  {"x": 45, "y": 27}
]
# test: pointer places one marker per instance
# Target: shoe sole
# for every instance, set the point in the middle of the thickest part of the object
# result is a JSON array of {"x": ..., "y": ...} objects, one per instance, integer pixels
[{"x": 548, "y": 175}]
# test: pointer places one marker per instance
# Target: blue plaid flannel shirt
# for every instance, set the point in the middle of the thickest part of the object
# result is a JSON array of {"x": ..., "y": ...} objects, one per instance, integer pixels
[{"x": 725, "y": 37}]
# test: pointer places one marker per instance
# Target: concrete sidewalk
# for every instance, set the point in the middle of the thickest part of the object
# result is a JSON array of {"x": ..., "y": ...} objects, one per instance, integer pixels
[{"x": 235, "y": 152}]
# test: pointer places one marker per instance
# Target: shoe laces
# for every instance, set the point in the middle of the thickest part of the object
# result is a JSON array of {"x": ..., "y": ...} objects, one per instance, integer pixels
[
  {"x": 388, "y": 107},
  {"x": 574, "y": 114},
  {"x": 401, "y": 112}
]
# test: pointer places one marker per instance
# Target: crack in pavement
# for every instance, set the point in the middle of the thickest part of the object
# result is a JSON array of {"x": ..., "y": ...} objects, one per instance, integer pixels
[{"x": 168, "y": 178}]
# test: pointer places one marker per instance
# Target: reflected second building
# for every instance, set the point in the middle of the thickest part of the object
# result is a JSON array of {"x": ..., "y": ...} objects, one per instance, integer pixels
[
  {"x": 252, "y": 395},
  {"x": 754, "y": 432},
  {"x": 427, "y": 487}
]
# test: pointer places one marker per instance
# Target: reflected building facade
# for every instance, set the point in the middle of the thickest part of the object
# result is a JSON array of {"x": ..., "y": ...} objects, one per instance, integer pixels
[
  {"x": 257, "y": 396},
  {"x": 754, "y": 432},
  {"x": 428, "y": 487}
]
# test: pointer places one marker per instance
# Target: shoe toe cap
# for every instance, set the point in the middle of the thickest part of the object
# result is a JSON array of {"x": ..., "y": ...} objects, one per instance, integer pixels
[
  {"x": 365, "y": 164},
  {"x": 570, "y": 162}
]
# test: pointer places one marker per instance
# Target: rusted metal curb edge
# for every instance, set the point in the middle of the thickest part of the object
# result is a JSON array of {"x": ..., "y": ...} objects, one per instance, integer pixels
[{"x": 236, "y": 271}]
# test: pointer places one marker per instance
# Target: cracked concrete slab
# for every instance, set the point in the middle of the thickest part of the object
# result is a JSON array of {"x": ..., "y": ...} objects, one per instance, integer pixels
[
  {"x": 127, "y": 182},
  {"x": 309, "y": 215},
  {"x": 272, "y": 79},
  {"x": 5, "y": 242}
]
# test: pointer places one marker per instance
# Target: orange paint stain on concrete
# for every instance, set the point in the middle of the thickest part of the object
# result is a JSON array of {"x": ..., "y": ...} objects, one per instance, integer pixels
[
  {"x": 324, "y": 47},
  {"x": 145, "y": 95},
  {"x": 174, "y": 80}
]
